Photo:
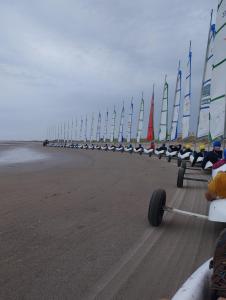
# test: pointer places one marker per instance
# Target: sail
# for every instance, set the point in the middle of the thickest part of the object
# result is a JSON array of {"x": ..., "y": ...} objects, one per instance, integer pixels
[
  {"x": 81, "y": 129},
  {"x": 204, "y": 110},
  {"x": 187, "y": 99},
  {"x": 129, "y": 132},
  {"x": 98, "y": 127},
  {"x": 106, "y": 127},
  {"x": 72, "y": 125},
  {"x": 150, "y": 136},
  {"x": 176, "y": 107},
  {"x": 121, "y": 126},
  {"x": 164, "y": 113},
  {"x": 218, "y": 82},
  {"x": 85, "y": 131},
  {"x": 91, "y": 129},
  {"x": 76, "y": 129},
  {"x": 140, "y": 120},
  {"x": 113, "y": 126}
]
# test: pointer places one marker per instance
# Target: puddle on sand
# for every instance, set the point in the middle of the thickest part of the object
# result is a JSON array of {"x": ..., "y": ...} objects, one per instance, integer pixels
[{"x": 20, "y": 155}]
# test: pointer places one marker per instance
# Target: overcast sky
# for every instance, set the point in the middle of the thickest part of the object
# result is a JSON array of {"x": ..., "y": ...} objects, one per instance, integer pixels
[{"x": 65, "y": 58}]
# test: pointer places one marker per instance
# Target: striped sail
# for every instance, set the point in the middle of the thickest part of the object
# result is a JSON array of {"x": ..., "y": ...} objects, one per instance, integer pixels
[
  {"x": 176, "y": 107},
  {"x": 106, "y": 127},
  {"x": 218, "y": 83},
  {"x": 113, "y": 126},
  {"x": 140, "y": 120},
  {"x": 98, "y": 127},
  {"x": 121, "y": 126},
  {"x": 91, "y": 128},
  {"x": 164, "y": 113},
  {"x": 150, "y": 135},
  {"x": 129, "y": 130},
  {"x": 81, "y": 129},
  {"x": 203, "y": 121},
  {"x": 187, "y": 99}
]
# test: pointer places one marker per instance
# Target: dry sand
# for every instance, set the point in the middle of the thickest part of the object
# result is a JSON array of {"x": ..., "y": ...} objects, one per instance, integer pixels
[{"x": 74, "y": 226}]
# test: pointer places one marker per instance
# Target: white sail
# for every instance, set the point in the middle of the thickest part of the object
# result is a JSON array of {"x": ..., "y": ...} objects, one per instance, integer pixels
[
  {"x": 164, "y": 113},
  {"x": 203, "y": 121},
  {"x": 129, "y": 132},
  {"x": 76, "y": 129},
  {"x": 140, "y": 120},
  {"x": 106, "y": 127},
  {"x": 121, "y": 126},
  {"x": 91, "y": 128},
  {"x": 113, "y": 126},
  {"x": 72, "y": 125},
  {"x": 81, "y": 129},
  {"x": 85, "y": 131},
  {"x": 176, "y": 106},
  {"x": 187, "y": 99},
  {"x": 98, "y": 127},
  {"x": 218, "y": 83}
]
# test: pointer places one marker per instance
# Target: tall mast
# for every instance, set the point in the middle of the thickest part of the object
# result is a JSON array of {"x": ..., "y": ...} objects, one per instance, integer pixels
[
  {"x": 150, "y": 136},
  {"x": 176, "y": 106},
  {"x": 121, "y": 125},
  {"x": 113, "y": 126},
  {"x": 85, "y": 133},
  {"x": 106, "y": 127},
  {"x": 81, "y": 128},
  {"x": 204, "y": 104},
  {"x": 187, "y": 99},
  {"x": 98, "y": 127},
  {"x": 91, "y": 128},
  {"x": 163, "y": 134},
  {"x": 130, "y": 120},
  {"x": 140, "y": 120}
]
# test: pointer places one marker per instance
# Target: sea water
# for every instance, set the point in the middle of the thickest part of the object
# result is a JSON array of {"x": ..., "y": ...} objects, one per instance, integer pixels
[{"x": 20, "y": 155}]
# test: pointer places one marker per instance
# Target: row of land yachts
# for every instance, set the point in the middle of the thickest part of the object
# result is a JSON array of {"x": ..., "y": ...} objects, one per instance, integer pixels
[{"x": 206, "y": 166}]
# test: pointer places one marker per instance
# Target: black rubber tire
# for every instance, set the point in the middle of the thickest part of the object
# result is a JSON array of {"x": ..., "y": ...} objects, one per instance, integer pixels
[
  {"x": 183, "y": 164},
  {"x": 160, "y": 156},
  {"x": 169, "y": 158},
  {"x": 141, "y": 152},
  {"x": 150, "y": 154},
  {"x": 156, "y": 207},
  {"x": 180, "y": 177},
  {"x": 179, "y": 162}
]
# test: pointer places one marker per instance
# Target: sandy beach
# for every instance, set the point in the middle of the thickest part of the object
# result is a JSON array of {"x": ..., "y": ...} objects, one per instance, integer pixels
[{"x": 74, "y": 225}]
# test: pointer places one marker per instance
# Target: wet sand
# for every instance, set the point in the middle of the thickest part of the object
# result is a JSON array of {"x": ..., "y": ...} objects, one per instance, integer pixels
[{"x": 75, "y": 226}]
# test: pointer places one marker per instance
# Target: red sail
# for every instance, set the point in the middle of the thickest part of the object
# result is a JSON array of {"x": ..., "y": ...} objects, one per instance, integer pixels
[{"x": 150, "y": 136}]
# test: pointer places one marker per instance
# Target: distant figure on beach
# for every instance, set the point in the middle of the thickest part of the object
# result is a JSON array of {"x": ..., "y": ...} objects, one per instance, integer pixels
[
  {"x": 162, "y": 148},
  {"x": 45, "y": 143},
  {"x": 173, "y": 148},
  {"x": 202, "y": 153},
  {"x": 214, "y": 155},
  {"x": 186, "y": 148},
  {"x": 221, "y": 162}
]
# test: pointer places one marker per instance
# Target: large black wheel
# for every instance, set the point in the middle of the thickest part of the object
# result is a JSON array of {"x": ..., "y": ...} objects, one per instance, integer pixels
[
  {"x": 179, "y": 162},
  {"x": 183, "y": 164},
  {"x": 156, "y": 207},
  {"x": 180, "y": 177},
  {"x": 169, "y": 158}
]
